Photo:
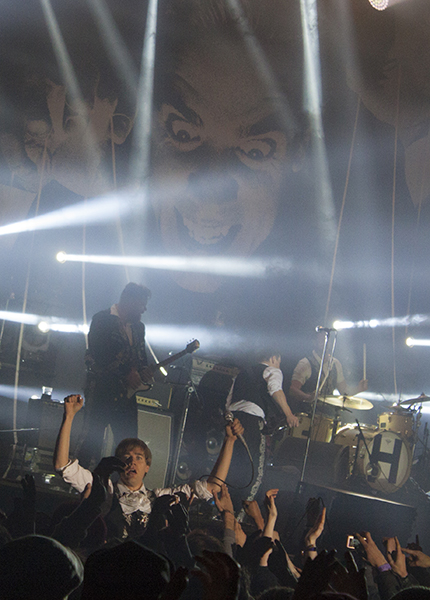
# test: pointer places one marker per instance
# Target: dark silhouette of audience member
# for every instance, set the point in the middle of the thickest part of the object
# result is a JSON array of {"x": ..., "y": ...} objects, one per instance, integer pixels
[{"x": 39, "y": 568}]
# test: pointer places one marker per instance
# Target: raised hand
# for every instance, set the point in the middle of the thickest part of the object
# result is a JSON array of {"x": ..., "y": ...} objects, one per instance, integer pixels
[
  {"x": 223, "y": 502},
  {"x": 270, "y": 502},
  {"x": 417, "y": 558},
  {"x": 315, "y": 532},
  {"x": 73, "y": 404},
  {"x": 234, "y": 429},
  {"x": 373, "y": 554},
  {"x": 396, "y": 558},
  {"x": 253, "y": 510}
]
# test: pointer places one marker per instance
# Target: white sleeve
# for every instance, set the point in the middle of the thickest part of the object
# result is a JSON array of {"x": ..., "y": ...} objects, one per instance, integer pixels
[
  {"x": 274, "y": 379},
  {"x": 302, "y": 372},
  {"x": 77, "y": 476},
  {"x": 199, "y": 488}
]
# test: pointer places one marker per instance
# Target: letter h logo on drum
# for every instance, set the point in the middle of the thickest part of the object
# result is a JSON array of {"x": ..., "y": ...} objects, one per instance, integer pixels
[{"x": 392, "y": 458}]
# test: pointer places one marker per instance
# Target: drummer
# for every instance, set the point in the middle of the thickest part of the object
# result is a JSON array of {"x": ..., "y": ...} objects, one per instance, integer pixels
[{"x": 305, "y": 377}]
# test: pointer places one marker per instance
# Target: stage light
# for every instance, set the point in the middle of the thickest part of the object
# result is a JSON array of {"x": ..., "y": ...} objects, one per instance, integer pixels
[
  {"x": 407, "y": 321},
  {"x": 44, "y": 323},
  {"x": 61, "y": 257},
  {"x": 380, "y": 4},
  {"x": 43, "y": 326},
  {"x": 411, "y": 342},
  {"x": 229, "y": 267}
]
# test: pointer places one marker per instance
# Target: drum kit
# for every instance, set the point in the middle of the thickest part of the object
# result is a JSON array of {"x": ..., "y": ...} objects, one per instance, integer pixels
[{"x": 380, "y": 455}]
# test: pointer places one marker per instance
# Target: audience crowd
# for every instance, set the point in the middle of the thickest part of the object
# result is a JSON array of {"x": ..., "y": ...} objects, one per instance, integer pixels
[{"x": 75, "y": 552}]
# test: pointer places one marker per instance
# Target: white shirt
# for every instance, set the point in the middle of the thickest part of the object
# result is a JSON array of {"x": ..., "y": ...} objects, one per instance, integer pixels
[
  {"x": 303, "y": 370},
  {"x": 130, "y": 501},
  {"x": 273, "y": 377}
]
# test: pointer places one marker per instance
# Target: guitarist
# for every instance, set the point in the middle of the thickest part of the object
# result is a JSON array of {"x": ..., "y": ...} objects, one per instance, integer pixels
[{"x": 117, "y": 366}]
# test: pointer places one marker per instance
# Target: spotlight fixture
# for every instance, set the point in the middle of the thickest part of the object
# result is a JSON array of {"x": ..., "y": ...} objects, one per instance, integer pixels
[
  {"x": 44, "y": 327},
  {"x": 61, "y": 257},
  {"x": 380, "y": 4}
]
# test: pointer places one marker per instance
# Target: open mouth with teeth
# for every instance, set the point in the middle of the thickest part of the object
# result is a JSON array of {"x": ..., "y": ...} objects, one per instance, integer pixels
[
  {"x": 205, "y": 237},
  {"x": 131, "y": 472}
]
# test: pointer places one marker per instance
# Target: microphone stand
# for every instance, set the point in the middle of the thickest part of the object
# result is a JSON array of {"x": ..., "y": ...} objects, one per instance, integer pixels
[
  {"x": 191, "y": 388},
  {"x": 363, "y": 439},
  {"x": 300, "y": 485}
]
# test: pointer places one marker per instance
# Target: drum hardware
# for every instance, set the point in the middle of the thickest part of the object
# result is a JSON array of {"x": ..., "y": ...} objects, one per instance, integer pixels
[
  {"x": 347, "y": 402},
  {"x": 336, "y": 422}
]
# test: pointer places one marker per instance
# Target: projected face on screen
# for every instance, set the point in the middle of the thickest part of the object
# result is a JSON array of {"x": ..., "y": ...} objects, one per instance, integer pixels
[
  {"x": 220, "y": 154},
  {"x": 62, "y": 139}
]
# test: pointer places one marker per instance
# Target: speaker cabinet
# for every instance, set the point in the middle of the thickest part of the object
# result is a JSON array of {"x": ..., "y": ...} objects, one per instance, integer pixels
[
  {"x": 46, "y": 417},
  {"x": 156, "y": 430}
]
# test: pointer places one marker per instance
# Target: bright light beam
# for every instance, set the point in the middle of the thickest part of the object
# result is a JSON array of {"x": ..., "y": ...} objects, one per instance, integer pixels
[
  {"x": 309, "y": 14},
  {"x": 102, "y": 209},
  {"x": 114, "y": 44},
  {"x": 66, "y": 68},
  {"x": 262, "y": 64},
  {"x": 142, "y": 128},
  {"x": 411, "y": 342},
  {"x": 15, "y": 317},
  {"x": 407, "y": 321},
  {"x": 215, "y": 266},
  {"x": 44, "y": 323}
]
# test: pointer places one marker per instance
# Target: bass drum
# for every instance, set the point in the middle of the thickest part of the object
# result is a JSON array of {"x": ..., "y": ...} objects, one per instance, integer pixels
[
  {"x": 386, "y": 462},
  {"x": 321, "y": 431},
  {"x": 347, "y": 435}
]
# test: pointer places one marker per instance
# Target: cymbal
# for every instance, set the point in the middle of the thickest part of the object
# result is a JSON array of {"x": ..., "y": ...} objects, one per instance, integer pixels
[
  {"x": 350, "y": 402},
  {"x": 422, "y": 398}
]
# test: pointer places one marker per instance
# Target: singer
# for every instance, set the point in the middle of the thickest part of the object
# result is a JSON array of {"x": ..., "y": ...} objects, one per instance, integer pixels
[{"x": 256, "y": 396}]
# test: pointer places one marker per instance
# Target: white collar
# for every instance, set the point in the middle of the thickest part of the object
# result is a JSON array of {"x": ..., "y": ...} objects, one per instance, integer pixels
[{"x": 125, "y": 490}]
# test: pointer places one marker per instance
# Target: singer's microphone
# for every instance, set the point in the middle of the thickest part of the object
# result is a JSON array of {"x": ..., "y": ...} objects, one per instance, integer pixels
[
  {"x": 228, "y": 416},
  {"x": 325, "y": 329}
]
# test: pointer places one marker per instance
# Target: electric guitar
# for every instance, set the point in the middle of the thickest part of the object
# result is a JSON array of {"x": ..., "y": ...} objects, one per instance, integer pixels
[{"x": 190, "y": 348}]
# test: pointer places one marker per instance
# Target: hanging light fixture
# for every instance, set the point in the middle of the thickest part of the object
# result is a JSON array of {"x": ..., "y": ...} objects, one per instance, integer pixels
[{"x": 380, "y": 4}]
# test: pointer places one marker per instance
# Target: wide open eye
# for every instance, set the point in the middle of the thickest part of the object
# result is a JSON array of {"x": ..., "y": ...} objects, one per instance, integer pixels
[
  {"x": 256, "y": 152},
  {"x": 183, "y": 134}
]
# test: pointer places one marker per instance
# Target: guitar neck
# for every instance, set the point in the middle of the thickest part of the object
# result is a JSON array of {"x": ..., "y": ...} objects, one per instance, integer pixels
[{"x": 170, "y": 359}]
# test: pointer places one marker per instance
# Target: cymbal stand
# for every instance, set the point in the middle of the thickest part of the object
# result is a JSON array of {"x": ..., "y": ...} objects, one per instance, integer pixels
[{"x": 314, "y": 407}]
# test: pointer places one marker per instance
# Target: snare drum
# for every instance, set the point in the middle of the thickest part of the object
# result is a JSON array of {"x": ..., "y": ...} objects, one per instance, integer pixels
[
  {"x": 321, "y": 431},
  {"x": 400, "y": 422}
]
